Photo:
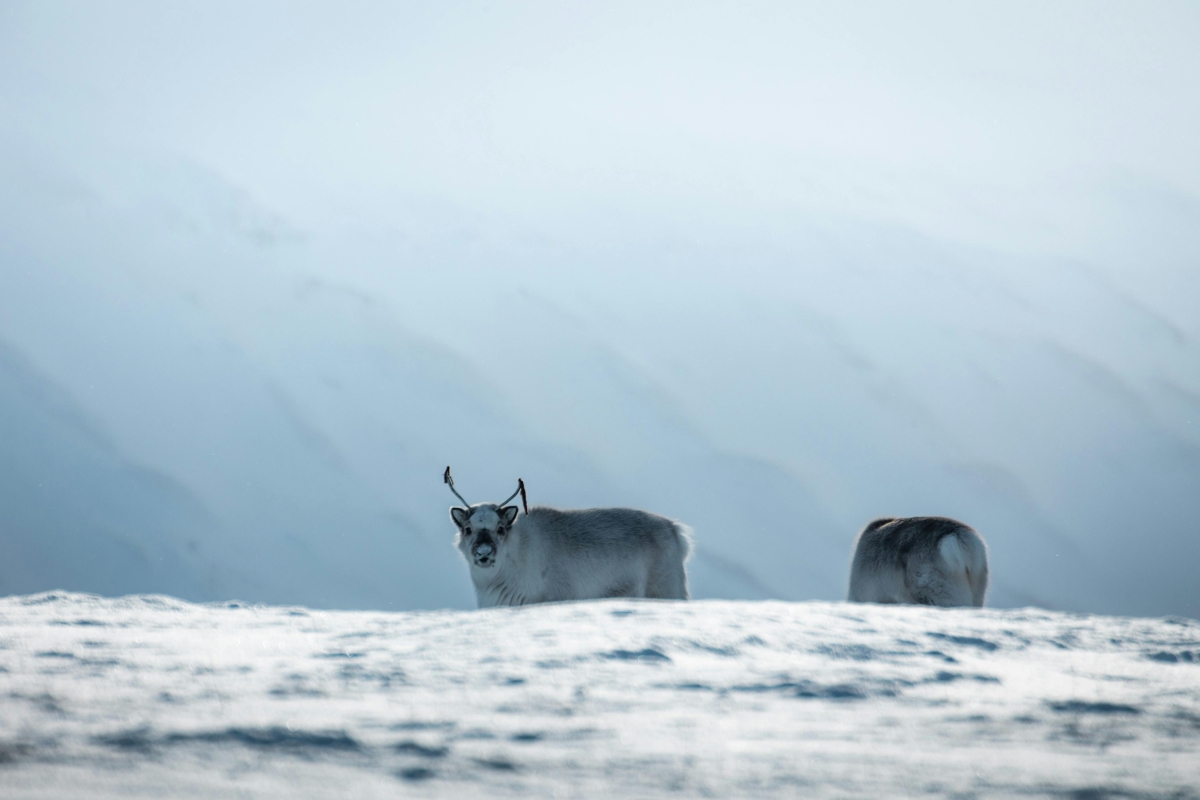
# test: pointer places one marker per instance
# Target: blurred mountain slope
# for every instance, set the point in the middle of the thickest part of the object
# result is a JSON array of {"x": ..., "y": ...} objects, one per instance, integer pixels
[
  {"x": 76, "y": 513},
  {"x": 774, "y": 270}
]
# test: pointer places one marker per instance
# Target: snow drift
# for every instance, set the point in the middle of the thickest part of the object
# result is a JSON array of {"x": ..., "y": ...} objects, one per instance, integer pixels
[{"x": 140, "y": 695}]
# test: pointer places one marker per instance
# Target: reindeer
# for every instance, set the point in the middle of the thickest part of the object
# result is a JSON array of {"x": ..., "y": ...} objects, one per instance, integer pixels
[
  {"x": 931, "y": 561},
  {"x": 548, "y": 555}
]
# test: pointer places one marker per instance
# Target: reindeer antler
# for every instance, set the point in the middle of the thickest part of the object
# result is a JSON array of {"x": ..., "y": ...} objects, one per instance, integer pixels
[
  {"x": 520, "y": 491},
  {"x": 446, "y": 479}
]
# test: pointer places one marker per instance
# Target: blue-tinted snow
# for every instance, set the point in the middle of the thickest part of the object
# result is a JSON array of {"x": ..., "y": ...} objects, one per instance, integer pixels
[{"x": 123, "y": 697}]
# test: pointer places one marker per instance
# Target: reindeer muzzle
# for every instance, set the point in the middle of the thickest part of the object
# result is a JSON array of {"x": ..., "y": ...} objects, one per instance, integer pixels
[{"x": 484, "y": 554}]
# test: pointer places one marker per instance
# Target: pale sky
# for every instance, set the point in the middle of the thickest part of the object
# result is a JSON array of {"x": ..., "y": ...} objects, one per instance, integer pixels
[{"x": 996, "y": 122}]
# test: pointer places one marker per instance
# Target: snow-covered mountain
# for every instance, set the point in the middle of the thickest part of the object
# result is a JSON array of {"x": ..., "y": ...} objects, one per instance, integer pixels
[
  {"x": 308, "y": 404},
  {"x": 242, "y": 334},
  {"x": 77, "y": 514}
]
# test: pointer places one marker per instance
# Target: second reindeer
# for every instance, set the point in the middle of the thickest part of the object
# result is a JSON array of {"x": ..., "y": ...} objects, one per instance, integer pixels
[{"x": 932, "y": 561}]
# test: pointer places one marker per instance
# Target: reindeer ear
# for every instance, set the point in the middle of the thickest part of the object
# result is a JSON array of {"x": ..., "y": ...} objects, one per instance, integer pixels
[
  {"x": 460, "y": 515},
  {"x": 509, "y": 514}
]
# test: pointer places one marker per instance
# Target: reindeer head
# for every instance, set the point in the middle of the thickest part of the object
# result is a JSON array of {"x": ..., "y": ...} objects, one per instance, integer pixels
[{"x": 483, "y": 527}]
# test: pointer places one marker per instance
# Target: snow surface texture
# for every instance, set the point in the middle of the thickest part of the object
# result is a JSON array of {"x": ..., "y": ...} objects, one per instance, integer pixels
[{"x": 150, "y": 696}]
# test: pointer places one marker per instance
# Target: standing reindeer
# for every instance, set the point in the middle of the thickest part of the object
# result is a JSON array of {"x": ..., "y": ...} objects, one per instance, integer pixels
[
  {"x": 931, "y": 561},
  {"x": 548, "y": 555}
]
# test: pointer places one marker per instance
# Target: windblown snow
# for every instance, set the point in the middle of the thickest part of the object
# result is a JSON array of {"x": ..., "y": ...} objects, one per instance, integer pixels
[{"x": 152, "y": 696}]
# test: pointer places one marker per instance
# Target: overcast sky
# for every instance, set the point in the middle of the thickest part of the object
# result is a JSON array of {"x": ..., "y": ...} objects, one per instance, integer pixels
[{"x": 998, "y": 122}]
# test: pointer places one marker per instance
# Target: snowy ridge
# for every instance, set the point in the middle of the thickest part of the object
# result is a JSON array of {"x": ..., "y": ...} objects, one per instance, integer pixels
[{"x": 132, "y": 696}]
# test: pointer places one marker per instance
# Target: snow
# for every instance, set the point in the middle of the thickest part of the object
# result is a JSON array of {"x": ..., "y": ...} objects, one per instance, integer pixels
[{"x": 148, "y": 695}]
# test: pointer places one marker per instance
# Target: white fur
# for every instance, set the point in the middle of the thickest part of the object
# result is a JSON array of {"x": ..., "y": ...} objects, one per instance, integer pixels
[
  {"x": 945, "y": 565},
  {"x": 954, "y": 566},
  {"x": 550, "y": 555}
]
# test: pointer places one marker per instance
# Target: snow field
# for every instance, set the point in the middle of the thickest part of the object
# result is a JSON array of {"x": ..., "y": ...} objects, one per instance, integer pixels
[{"x": 146, "y": 695}]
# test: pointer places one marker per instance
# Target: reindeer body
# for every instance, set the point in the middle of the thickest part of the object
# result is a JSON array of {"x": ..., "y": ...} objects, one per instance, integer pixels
[
  {"x": 550, "y": 555},
  {"x": 924, "y": 560}
]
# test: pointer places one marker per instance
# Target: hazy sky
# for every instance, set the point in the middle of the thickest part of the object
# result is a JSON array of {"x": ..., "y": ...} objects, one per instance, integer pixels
[{"x": 1001, "y": 122}]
